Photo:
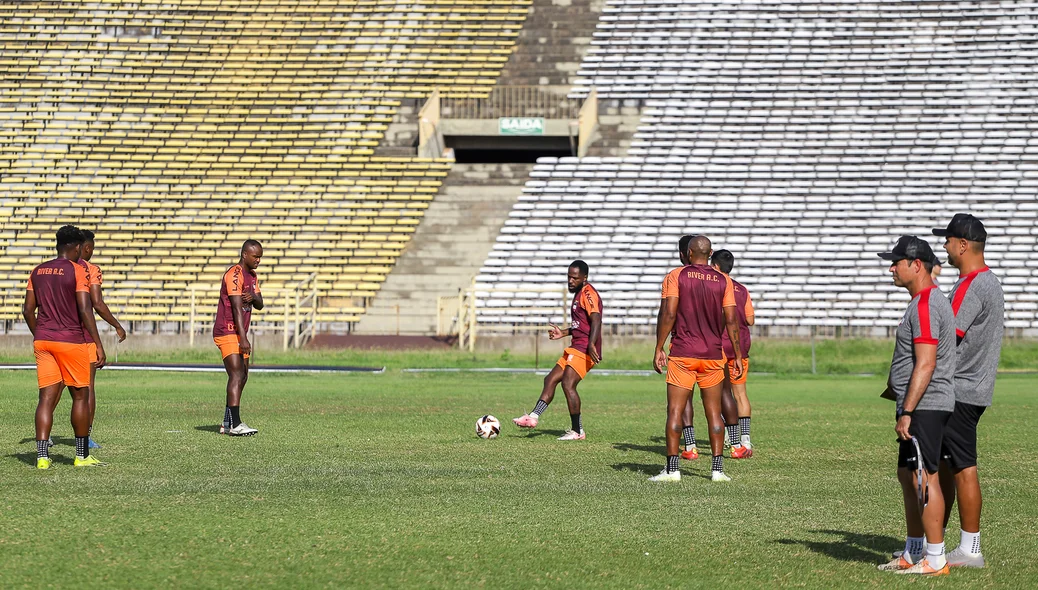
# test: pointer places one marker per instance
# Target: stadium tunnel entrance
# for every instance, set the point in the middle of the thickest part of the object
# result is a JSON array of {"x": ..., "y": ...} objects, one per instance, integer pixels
[{"x": 469, "y": 149}]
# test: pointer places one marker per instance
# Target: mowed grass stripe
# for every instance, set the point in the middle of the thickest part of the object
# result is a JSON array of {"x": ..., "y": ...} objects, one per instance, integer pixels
[{"x": 379, "y": 481}]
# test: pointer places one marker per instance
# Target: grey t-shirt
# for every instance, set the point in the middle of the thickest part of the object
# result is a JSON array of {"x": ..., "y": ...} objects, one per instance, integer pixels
[
  {"x": 979, "y": 308},
  {"x": 928, "y": 320}
]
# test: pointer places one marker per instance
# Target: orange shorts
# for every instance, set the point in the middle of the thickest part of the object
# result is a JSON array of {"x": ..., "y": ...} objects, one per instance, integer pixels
[
  {"x": 581, "y": 363},
  {"x": 61, "y": 362},
  {"x": 686, "y": 373},
  {"x": 92, "y": 351},
  {"x": 745, "y": 370},
  {"x": 229, "y": 344}
]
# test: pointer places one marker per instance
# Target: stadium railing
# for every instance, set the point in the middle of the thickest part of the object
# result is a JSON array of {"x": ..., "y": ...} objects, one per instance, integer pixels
[{"x": 298, "y": 322}]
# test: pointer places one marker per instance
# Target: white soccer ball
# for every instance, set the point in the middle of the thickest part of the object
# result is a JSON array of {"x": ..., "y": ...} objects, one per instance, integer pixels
[{"x": 488, "y": 427}]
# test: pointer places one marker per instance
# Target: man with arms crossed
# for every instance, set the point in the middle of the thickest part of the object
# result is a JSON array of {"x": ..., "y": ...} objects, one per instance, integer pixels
[
  {"x": 921, "y": 373},
  {"x": 239, "y": 294},
  {"x": 979, "y": 307},
  {"x": 60, "y": 316},
  {"x": 696, "y": 312}
]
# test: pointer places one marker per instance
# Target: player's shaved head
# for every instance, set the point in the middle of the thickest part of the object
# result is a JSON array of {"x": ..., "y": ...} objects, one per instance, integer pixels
[
  {"x": 250, "y": 244},
  {"x": 251, "y": 253},
  {"x": 699, "y": 250}
]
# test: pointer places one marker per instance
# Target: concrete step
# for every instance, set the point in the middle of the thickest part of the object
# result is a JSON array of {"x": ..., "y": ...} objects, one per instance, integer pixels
[{"x": 448, "y": 248}]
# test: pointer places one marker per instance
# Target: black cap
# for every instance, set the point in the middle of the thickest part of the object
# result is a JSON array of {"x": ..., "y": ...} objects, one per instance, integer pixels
[
  {"x": 910, "y": 248},
  {"x": 964, "y": 226}
]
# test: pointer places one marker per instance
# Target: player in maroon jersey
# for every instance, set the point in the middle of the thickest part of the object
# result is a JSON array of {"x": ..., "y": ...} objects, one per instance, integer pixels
[
  {"x": 239, "y": 294},
  {"x": 584, "y": 352},
  {"x": 60, "y": 316},
  {"x": 699, "y": 307}
]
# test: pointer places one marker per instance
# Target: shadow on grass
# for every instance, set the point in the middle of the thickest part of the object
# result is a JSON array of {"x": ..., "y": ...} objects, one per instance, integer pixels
[
  {"x": 30, "y": 459},
  {"x": 58, "y": 440},
  {"x": 214, "y": 428},
  {"x": 536, "y": 433},
  {"x": 655, "y": 450},
  {"x": 653, "y": 469},
  {"x": 850, "y": 546}
]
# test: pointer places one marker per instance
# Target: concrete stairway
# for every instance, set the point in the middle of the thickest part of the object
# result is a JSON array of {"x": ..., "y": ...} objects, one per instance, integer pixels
[
  {"x": 448, "y": 248},
  {"x": 554, "y": 39}
]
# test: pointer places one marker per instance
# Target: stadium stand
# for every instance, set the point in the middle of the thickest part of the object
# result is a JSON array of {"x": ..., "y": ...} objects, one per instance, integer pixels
[
  {"x": 175, "y": 130},
  {"x": 802, "y": 136}
]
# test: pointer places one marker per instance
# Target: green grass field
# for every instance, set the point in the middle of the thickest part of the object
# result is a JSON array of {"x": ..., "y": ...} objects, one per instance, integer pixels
[{"x": 379, "y": 481}]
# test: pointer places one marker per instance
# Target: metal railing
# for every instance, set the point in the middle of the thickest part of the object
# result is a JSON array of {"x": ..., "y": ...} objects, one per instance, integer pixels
[
  {"x": 458, "y": 315},
  {"x": 298, "y": 318},
  {"x": 512, "y": 101}
]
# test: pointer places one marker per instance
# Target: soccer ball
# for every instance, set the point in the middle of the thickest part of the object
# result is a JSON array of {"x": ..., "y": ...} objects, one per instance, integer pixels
[{"x": 488, "y": 427}]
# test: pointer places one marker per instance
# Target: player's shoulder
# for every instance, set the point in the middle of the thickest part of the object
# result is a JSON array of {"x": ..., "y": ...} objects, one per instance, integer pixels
[
  {"x": 589, "y": 290},
  {"x": 234, "y": 269}
]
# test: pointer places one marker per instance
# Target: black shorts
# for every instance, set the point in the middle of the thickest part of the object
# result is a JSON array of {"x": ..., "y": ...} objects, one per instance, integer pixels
[
  {"x": 928, "y": 428},
  {"x": 959, "y": 448}
]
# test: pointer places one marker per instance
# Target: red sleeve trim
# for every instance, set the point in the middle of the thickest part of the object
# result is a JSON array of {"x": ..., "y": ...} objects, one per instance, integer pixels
[
  {"x": 959, "y": 333},
  {"x": 925, "y": 337}
]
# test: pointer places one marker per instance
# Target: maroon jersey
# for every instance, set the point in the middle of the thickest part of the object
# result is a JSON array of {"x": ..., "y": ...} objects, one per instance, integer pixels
[
  {"x": 585, "y": 303},
  {"x": 744, "y": 307},
  {"x": 703, "y": 293},
  {"x": 236, "y": 281},
  {"x": 55, "y": 284}
]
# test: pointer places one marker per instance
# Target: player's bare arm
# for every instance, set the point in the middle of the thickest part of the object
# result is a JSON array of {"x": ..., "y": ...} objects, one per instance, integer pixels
[
  {"x": 731, "y": 323},
  {"x": 98, "y": 299},
  {"x": 557, "y": 333},
  {"x": 596, "y": 331},
  {"x": 29, "y": 311},
  {"x": 254, "y": 298},
  {"x": 86, "y": 315},
  {"x": 668, "y": 315},
  {"x": 239, "y": 324},
  {"x": 925, "y": 362}
]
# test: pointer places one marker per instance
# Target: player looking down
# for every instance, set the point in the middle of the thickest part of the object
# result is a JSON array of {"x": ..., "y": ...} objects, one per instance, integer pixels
[
  {"x": 239, "y": 294},
  {"x": 583, "y": 353}
]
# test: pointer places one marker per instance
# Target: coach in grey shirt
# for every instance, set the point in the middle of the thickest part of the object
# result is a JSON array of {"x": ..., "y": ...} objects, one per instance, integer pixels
[
  {"x": 921, "y": 378},
  {"x": 979, "y": 308}
]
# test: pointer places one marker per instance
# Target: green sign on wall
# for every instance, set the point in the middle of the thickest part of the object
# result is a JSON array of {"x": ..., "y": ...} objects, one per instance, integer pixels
[{"x": 520, "y": 126}]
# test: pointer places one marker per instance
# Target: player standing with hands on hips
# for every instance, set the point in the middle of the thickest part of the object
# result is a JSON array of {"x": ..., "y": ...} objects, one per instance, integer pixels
[{"x": 584, "y": 352}]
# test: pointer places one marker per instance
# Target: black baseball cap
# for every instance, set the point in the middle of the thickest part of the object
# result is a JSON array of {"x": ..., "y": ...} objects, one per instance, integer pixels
[
  {"x": 910, "y": 248},
  {"x": 964, "y": 226}
]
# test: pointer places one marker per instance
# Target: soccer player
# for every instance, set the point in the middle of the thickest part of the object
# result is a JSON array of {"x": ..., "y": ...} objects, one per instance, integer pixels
[
  {"x": 60, "y": 316},
  {"x": 729, "y": 410},
  {"x": 94, "y": 277},
  {"x": 583, "y": 353},
  {"x": 921, "y": 373},
  {"x": 696, "y": 311},
  {"x": 239, "y": 294},
  {"x": 724, "y": 261},
  {"x": 979, "y": 307}
]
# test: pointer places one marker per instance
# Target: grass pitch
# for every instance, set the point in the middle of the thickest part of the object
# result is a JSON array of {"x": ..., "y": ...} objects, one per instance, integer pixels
[{"x": 379, "y": 481}]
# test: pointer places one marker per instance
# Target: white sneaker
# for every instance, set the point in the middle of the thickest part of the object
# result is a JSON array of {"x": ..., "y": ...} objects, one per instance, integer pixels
[
  {"x": 746, "y": 442},
  {"x": 959, "y": 558},
  {"x": 50, "y": 442},
  {"x": 242, "y": 430},
  {"x": 719, "y": 476},
  {"x": 224, "y": 428},
  {"x": 572, "y": 435},
  {"x": 667, "y": 476}
]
